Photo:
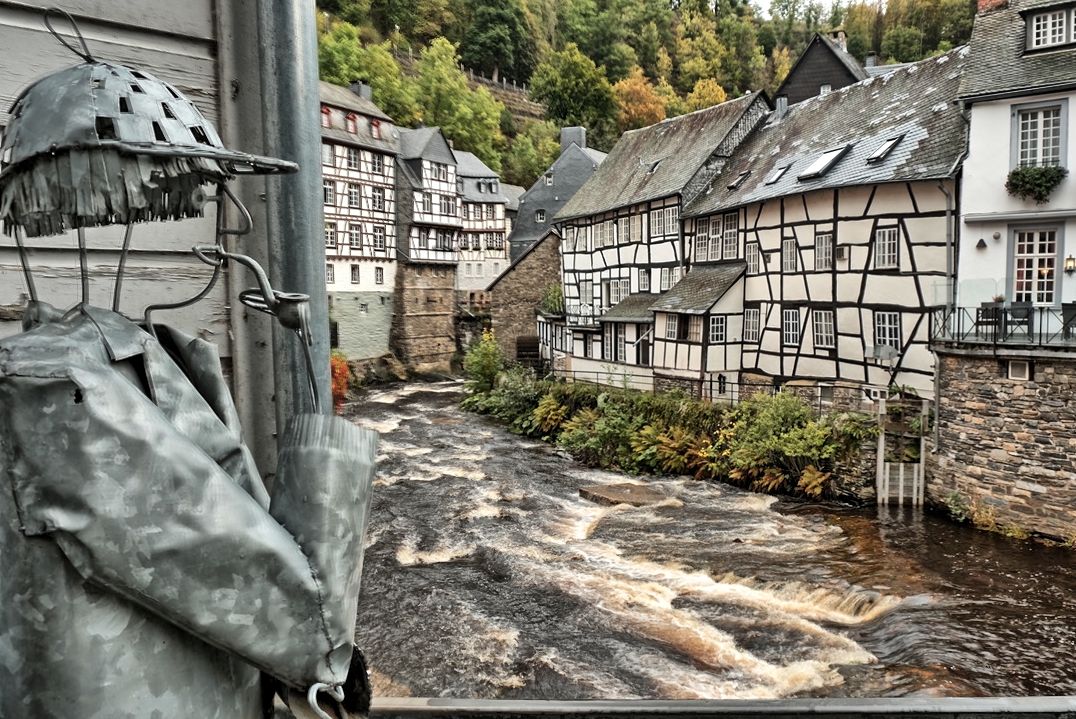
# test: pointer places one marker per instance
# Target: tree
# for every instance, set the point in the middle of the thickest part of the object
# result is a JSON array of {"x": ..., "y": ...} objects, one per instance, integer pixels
[
  {"x": 780, "y": 64},
  {"x": 698, "y": 51},
  {"x": 707, "y": 93},
  {"x": 742, "y": 62},
  {"x": 575, "y": 92},
  {"x": 342, "y": 60},
  {"x": 499, "y": 39},
  {"x": 903, "y": 44},
  {"x": 640, "y": 105},
  {"x": 674, "y": 104},
  {"x": 471, "y": 119}
]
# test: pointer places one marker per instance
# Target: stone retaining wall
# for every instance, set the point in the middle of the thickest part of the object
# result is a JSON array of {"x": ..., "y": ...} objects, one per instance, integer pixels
[{"x": 1007, "y": 445}]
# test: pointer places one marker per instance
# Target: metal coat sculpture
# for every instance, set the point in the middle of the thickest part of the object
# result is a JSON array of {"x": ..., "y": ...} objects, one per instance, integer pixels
[{"x": 144, "y": 570}]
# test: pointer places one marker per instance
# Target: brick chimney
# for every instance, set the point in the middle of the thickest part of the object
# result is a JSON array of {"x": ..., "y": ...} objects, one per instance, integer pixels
[{"x": 988, "y": 5}]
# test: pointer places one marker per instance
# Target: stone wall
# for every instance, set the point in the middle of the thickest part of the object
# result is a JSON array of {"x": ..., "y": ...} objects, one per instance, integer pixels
[
  {"x": 424, "y": 330},
  {"x": 1009, "y": 445},
  {"x": 690, "y": 387},
  {"x": 363, "y": 321},
  {"x": 519, "y": 290}
]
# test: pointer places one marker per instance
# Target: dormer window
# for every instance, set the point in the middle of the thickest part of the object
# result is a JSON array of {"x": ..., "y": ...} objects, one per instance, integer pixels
[
  {"x": 824, "y": 162},
  {"x": 326, "y": 117},
  {"x": 884, "y": 149},
  {"x": 1051, "y": 27},
  {"x": 493, "y": 186},
  {"x": 375, "y": 129},
  {"x": 549, "y": 180},
  {"x": 352, "y": 123}
]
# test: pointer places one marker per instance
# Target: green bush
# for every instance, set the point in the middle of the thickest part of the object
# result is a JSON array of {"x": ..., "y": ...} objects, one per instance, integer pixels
[
  {"x": 1034, "y": 183},
  {"x": 483, "y": 363}
]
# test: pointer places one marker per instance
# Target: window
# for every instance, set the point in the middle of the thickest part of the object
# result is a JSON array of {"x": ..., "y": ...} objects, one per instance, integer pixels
[
  {"x": 375, "y": 129},
  {"x": 731, "y": 235},
  {"x": 623, "y": 230},
  {"x": 427, "y": 202},
  {"x": 694, "y": 328},
  {"x": 327, "y": 154},
  {"x": 354, "y": 237},
  {"x": 824, "y": 334},
  {"x": 378, "y": 198},
  {"x": 702, "y": 239},
  {"x": 448, "y": 205},
  {"x": 329, "y": 274},
  {"x": 549, "y": 180},
  {"x": 885, "y": 248},
  {"x": 352, "y": 158},
  {"x": 636, "y": 228},
  {"x": 613, "y": 291},
  {"x": 776, "y": 175},
  {"x": 644, "y": 279},
  {"x": 671, "y": 326},
  {"x": 354, "y": 195},
  {"x": 883, "y": 149},
  {"x": 823, "y": 252},
  {"x": 717, "y": 329},
  {"x": 330, "y": 234},
  {"x": 352, "y": 125},
  {"x": 379, "y": 275},
  {"x": 657, "y": 223},
  {"x": 1039, "y": 136},
  {"x": 751, "y": 252},
  {"x": 887, "y": 329},
  {"x": 1019, "y": 370},
  {"x": 467, "y": 272},
  {"x": 790, "y": 327},
  {"x": 789, "y": 257},
  {"x": 1034, "y": 265},
  {"x": 377, "y": 163},
  {"x": 739, "y": 180},
  {"x": 672, "y": 220},
  {"x": 354, "y": 274},
  {"x": 824, "y": 162},
  {"x": 614, "y": 344},
  {"x": 666, "y": 278},
  {"x": 444, "y": 240},
  {"x": 752, "y": 318},
  {"x": 825, "y": 89},
  {"x": 479, "y": 270},
  {"x": 603, "y": 236},
  {"x": 328, "y": 192},
  {"x": 586, "y": 292},
  {"x": 326, "y": 117},
  {"x": 490, "y": 211},
  {"x": 539, "y": 216},
  {"x": 379, "y": 237},
  {"x": 1049, "y": 28}
]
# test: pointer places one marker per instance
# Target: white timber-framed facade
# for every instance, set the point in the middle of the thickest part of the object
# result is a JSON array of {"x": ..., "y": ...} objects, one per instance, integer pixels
[{"x": 483, "y": 240}]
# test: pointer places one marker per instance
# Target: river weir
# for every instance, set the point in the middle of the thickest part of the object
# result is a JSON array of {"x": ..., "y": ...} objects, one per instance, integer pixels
[{"x": 488, "y": 575}]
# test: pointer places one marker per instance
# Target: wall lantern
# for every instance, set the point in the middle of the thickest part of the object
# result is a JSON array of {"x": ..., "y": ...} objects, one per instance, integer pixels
[
  {"x": 981, "y": 244},
  {"x": 1070, "y": 265}
]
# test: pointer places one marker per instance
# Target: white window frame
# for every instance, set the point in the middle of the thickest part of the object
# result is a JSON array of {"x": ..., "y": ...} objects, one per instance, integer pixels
[
  {"x": 539, "y": 216},
  {"x": 379, "y": 237},
  {"x": 377, "y": 198},
  {"x": 752, "y": 324},
  {"x": 354, "y": 194},
  {"x": 657, "y": 223},
  {"x": 377, "y": 163},
  {"x": 666, "y": 278},
  {"x": 1051, "y": 27},
  {"x": 702, "y": 239},
  {"x": 327, "y": 154},
  {"x": 356, "y": 274},
  {"x": 330, "y": 274},
  {"x": 789, "y": 255},
  {"x": 751, "y": 254},
  {"x": 644, "y": 279},
  {"x": 790, "y": 327},
  {"x": 330, "y": 235},
  {"x": 694, "y": 328},
  {"x": 823, "y": 251},
  {"x": 427, "y": 202},
  {"x": 623, "y": 230},
  {"x": 1029, "y": 121},
  {"x": 328, "y": 192},
  {"x": 353, "y": 158},
  {"x": 887, "y": 329},
  {"x": 718, "y": 326},
  {"x": 354, "y": 236},
  {"x": 886, "y": 248},
  {"x": 379, "y": 275},
  {"x": 731, "y": 235},
  {"x": 636, "y": 228},
  {"x": 672, "y": 323},
  {"x": 825, "y": 331},
  {"x": 1035, "y": 263}
]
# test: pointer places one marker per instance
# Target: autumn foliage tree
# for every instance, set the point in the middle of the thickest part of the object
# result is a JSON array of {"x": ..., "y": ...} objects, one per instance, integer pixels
[{"x": 640, "y": 105}]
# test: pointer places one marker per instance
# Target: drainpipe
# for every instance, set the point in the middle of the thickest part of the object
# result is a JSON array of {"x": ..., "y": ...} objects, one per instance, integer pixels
[
  {"x": 290, "y": 101},
  {"x": 951, "y": 294}
]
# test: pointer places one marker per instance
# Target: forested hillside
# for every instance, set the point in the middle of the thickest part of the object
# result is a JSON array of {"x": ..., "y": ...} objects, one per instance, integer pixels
[{"x": 609, "y": 65}]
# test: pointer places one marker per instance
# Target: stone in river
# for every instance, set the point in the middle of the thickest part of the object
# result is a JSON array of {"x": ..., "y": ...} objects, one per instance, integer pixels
[{"x": 636, "y": 495}]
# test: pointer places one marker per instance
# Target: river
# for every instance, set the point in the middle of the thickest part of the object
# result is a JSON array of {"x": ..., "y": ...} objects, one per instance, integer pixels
[{"x": 487, "y": 576}]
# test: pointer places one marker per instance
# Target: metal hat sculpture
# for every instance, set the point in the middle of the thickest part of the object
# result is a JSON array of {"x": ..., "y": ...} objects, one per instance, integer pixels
[{"x": 102, "y": 144}]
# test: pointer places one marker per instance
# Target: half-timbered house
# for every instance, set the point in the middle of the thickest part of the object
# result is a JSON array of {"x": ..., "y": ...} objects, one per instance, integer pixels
[
  {"x": 358, "y": 169},
  {"x": 840, "y": 214},
  {"x": 428, "y": 225},
  {"x": 621, "y": 232},
  {"x": 483, "y": 253},
  {"x": 1006, "y": 340}
]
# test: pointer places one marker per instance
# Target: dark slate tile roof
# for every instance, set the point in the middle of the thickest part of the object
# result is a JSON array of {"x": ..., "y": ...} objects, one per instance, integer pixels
[
  {"x": 343, "y": 97},
  {"x": 469, "y": 170},
  {"x": 512, "y": 193},
  {"x": 425, "y": 142},
  {"x": 844, "y": 57},
  {"x": 655, "y": 161},
  {"x": 876, "y": 70},
  {"x": 917, "y": 102},
  {"x": 633, "y": 308},
  {"x": 468, "y": 165},
  {"x": 697, "y": 291},
  {"x": 999, "y": 64}
]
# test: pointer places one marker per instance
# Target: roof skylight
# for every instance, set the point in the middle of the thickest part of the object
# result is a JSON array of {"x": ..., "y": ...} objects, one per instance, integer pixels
[
  {"x": 739, "y": 180},
  {"x": 776, "y": 174},
  {"x": 824, "y": 162},
  {"x": 883, "y": 150}
]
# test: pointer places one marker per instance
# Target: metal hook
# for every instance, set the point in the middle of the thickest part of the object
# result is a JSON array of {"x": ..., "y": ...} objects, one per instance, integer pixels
[
  {"x": 85, "y": 54},
  {"x": 336, "y": 693}
]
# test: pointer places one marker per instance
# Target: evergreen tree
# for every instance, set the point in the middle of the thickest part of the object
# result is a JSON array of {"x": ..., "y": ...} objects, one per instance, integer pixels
[{"x": 576, "y": 92}]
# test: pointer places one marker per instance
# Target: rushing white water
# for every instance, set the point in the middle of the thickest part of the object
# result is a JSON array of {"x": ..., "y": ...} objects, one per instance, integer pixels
[{"x": 487, "y": 575}]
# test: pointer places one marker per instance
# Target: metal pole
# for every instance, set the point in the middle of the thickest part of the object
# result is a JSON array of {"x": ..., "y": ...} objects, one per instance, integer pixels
[{"x": 294, "y": 212}]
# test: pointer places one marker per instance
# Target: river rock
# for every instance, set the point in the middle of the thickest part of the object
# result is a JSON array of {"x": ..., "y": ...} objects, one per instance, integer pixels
[{"x": 637, "y": 495}]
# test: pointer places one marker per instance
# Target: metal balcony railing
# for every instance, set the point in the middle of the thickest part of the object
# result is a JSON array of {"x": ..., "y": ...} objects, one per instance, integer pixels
[{"x": 1014, "y": 325}]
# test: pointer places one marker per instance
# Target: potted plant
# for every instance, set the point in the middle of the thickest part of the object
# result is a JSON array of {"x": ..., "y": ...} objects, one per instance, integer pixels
[{"x": 1035, "y": 183}]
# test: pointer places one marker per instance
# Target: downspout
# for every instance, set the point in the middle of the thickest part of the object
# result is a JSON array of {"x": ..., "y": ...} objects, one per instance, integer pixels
[
  {"x": 951, "y": 293},
  {"x": 290, "y": 101}
]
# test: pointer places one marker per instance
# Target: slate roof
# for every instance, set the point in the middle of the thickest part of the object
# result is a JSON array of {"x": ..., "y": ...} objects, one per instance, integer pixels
[
  {"x": 999, "y": 64},
  {"x": 655, "y": 161},
  {"x": 917, "y": 102},
  {"x": 469, "y": 170},
  {"x": 512, "y": 193},
  {"x": 633, "y": 308},
  {"x": 700, "y": 288},
  {"x": 876, "y": 70},
  {"x": 343, "y": 98},
  {"x": 425, "y": 142},
  {"x": 844, "y": 57}
]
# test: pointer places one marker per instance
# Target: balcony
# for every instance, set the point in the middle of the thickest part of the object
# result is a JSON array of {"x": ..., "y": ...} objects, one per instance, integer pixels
[{"x": 1016, "y": 325}]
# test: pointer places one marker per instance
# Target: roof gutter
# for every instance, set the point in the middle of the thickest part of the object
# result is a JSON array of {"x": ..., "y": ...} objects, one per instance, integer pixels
[{"x": 1018, "y": 92}]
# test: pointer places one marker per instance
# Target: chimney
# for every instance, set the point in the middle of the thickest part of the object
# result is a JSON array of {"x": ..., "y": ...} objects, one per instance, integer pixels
[
  {"x": 988, "y": 5},
  {"x": 568, "y": 135},
  {"x": 362, "y": 90},
  {"x": 841, "y": 39},
  {"x": 781, "y": 107},
  {"x": 871, "y": 60}
]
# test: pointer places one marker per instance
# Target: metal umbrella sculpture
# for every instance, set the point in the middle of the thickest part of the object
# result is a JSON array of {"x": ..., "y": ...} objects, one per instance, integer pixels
[{"x": 146, "y": 570}]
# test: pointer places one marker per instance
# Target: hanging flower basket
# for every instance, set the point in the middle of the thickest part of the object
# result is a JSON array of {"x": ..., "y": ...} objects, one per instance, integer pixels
[{"x": 1034, "y": 183}]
